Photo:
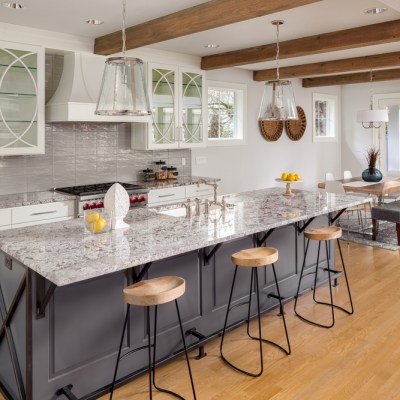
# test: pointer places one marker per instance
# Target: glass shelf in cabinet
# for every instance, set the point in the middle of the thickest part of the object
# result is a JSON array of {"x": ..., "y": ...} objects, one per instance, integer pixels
[
  {"x": 15, "y": 94},
  {"x": 18, "y": 67}
]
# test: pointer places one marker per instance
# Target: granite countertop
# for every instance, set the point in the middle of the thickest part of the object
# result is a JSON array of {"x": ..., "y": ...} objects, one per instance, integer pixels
[
  {"x": 49, "y": 196},
  {"x": 31, "y": 198},
  {"x": 180, "y": 181},
  {"x": 64, "y": 254}
]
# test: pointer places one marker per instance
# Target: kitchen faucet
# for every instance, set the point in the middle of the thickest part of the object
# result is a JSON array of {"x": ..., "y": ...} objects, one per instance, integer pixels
[{"x": 214, "y": 185}]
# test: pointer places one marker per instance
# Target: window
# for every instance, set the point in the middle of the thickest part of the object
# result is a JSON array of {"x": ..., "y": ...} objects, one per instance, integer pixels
[
  {"x": 226, "y": 113},
  {"x": 324, "y": 118}
]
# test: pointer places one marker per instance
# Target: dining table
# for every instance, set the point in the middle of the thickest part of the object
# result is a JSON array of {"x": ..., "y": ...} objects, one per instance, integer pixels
[{"x": 387, "y": 186}]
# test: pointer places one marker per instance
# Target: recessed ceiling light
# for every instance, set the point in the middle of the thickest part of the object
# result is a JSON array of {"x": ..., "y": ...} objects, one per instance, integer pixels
[
  {"x": 211, "y": 46},
  {"x": 375, "y": 10},
  {"x": 94, "y": 22},
  {"x": 16, "y": 6}
]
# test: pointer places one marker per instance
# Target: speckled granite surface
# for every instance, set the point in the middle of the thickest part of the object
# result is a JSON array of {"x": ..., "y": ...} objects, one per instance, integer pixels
[
  {"x": 64, "y": 254},
  {"x": 30, "y": 198},
  {"x": 180, "y": 181}
]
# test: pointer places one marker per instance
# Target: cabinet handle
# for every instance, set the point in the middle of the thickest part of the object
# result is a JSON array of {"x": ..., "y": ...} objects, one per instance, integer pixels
[
  {"x": 43, "y": 212},
  {"x": 167, "y": 195}
]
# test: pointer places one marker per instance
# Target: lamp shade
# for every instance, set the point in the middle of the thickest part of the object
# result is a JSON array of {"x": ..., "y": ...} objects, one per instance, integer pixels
[
  {"x": 277, "y": 103},
  {"x": 123, "y": 89},
  {"x": 372, "y": 116}
]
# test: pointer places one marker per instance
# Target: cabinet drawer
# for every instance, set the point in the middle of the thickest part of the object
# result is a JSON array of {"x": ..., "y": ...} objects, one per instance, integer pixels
[
  {"x": 167, "y": 195},
  {"x": 5, "y": 216},
  {"x": 42, "y": 212},
  {"x": 201, "y": 191}
]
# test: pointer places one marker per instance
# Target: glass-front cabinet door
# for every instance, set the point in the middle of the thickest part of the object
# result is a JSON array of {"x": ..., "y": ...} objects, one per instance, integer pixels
[
  {"x": 192, "y": 108},
  {"x": 21, "y": 99},
  {"x": 164, "y": 103}
]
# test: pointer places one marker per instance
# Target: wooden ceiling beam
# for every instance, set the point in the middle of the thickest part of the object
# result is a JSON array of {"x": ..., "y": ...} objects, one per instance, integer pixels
[
  {"x": 208, "y": 15},
  {"x": 346, "y": 79},
  {"x": 385, "y": 32},
  {"x": 331, "y": 67}
]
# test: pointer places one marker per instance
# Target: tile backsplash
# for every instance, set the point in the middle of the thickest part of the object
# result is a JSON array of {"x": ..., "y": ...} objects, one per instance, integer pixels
[{"x": 83, "y": 153}]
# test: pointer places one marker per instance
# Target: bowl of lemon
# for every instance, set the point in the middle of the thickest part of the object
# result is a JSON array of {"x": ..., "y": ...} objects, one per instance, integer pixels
[
  {"x": 289, "y": 178},
  {"x": 97, "y": 220}
]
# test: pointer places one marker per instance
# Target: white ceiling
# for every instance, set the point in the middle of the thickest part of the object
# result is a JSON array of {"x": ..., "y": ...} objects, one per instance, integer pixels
[{"x": 325, "y": 16}]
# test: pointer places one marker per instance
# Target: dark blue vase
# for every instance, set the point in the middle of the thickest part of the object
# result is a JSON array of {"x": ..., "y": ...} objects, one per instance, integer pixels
[{"x": 372, "y": 174}]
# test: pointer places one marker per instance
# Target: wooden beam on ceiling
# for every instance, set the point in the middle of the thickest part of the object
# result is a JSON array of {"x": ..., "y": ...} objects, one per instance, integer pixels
[
  {"x": 208, "y": 15},
  {"x": 331, "y": 67},
  {"x": 385, "y": 32},
  {"x": 346, "y": 79}
]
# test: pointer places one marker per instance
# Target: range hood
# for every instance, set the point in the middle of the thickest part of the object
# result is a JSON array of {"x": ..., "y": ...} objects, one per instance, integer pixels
[{"x": 76, "y": 96}]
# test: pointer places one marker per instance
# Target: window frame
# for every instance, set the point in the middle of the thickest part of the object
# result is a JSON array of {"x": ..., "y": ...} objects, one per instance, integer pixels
[
  {"x": 332, "y": 100},
  {"x": 241, "y": 113}
]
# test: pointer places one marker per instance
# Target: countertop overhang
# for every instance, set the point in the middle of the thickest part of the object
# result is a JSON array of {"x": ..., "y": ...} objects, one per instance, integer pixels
[{"x": 64, "y": 254}]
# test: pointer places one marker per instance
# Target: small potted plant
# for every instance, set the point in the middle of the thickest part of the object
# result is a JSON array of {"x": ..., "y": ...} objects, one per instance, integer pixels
[{"x": 372, "y": 174}]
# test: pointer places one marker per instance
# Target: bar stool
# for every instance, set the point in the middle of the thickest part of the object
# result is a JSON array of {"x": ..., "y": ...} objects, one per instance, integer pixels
[
  {"x": 255, "y": 258},
  {"x": 147, "y": 293},
  {"x": 324, "y": 234}
]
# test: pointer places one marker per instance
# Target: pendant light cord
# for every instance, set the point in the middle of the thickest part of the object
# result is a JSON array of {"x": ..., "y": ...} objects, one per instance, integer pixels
[
  {"x": 123, "y": 27},
  {"x": 370, "y": 90},
  {"x": 277, "y": 51}
]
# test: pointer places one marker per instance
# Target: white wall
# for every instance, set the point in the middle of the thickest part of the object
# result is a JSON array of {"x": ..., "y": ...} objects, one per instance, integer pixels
[
  {"x": 355, "y": 138},
  {"x": 258, "y": 163}
]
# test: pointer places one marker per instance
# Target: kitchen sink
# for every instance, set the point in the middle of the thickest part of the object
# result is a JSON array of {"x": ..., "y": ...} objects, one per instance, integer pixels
[{"x": 174, "y": 212}]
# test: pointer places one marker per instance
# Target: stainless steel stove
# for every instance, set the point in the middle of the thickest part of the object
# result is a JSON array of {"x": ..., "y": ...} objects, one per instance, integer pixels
[{"x": 92, "y": 196}]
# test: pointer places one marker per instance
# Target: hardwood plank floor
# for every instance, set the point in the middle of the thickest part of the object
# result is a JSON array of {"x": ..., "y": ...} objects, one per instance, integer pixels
[{"x": 358, "y": 359}]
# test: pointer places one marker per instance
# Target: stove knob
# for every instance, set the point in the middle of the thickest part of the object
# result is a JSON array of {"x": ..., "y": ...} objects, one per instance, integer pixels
[
  {"x": 132, "y": 200},
  {"x": 94, "y": 205},
  {"x": 100, "y": 205},
  {"x": 86, "y": 206},
  {"x": 142, "y": 198}
]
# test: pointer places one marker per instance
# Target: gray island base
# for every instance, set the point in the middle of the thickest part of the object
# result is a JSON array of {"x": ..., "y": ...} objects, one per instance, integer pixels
[{"x": 61, "y": 302}]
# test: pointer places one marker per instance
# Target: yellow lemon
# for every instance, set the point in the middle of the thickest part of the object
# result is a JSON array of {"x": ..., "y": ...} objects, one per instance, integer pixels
[
  {"x": 98, "y": 226},
  {"x": 297, "y": 177},
  {"x": 284, "y": 176},
  {"x": 291, "y": 177},
  {"x": 92, "y": 217}
]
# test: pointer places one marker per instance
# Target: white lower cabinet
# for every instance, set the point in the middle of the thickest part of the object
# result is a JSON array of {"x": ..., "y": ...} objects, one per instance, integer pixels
[
  {"x": 179, "y": 193},
  {"x": 5, "y": 218},
  {"x": 166, "y": 195},
  {"x": 17, "y": 217}
]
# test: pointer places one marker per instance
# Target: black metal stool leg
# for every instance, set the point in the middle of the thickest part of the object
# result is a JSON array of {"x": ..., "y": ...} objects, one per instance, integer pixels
[
  {"x": 301, "y": 278},
  {"x": 347, "y": 282},
  {"x": 288, "y": 351},
  {"x": 316, "y": 272},
  {"x": 119, "y": 350},
  {"x": 149, "y": 352},
  {"x": 249, "y": 309},
  {"x": 154, "y": 361}
]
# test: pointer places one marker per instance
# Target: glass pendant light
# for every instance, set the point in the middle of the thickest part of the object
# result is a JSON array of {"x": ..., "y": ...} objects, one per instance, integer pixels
[
  {"x": 277, "y": 103},
  {"x": 123, "y": 89},
  {"x": 372, "y": 118}
]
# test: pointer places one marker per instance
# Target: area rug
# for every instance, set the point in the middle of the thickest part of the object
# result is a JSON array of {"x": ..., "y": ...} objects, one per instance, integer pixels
[{"x": 387, "y": 237}]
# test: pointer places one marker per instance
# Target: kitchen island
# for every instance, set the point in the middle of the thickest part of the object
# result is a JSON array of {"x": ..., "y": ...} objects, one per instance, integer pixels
[{"x": 61, "y": 289}]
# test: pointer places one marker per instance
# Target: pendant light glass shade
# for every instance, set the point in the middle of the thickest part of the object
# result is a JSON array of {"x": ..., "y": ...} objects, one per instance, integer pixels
[
  {"x": 123, "y": 89},
  {"x": 278, "y": 103}
]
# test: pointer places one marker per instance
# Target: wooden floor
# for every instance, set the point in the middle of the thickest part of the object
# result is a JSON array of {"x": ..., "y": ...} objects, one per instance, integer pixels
[{"x": 358, "y": 359}]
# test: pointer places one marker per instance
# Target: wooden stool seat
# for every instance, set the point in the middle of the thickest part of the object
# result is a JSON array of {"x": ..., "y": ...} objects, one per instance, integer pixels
[
  {"x": 256, "y": 257},
  {"x": 153, "y": 292},
  {"x": 324, "y": 233}
]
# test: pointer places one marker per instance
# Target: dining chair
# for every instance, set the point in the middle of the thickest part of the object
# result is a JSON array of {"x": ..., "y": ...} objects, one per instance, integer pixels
[
  {"x": 329, "y": 177},
  {"x": 347, "y": 175},
  {"x": 336, "y": 187},
  {"x": 393, "y": 196}
]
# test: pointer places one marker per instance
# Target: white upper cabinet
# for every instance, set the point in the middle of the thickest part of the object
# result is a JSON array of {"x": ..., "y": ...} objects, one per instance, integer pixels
[
  {"x": 178, "y": 104},
  {"x": 21, "y": 99}
]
